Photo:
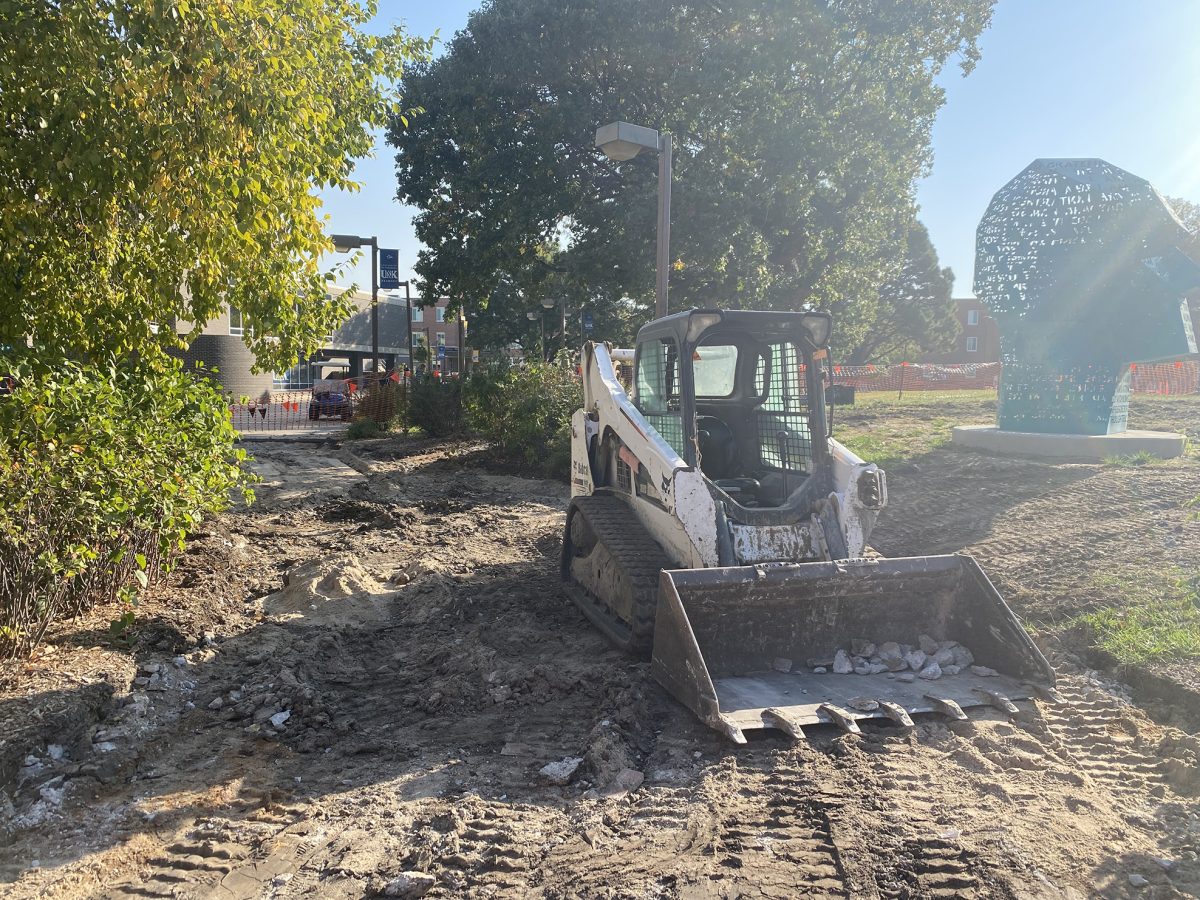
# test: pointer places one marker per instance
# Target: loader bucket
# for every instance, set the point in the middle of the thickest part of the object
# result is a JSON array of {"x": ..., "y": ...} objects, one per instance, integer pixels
[{"x": 738, "y": 645}]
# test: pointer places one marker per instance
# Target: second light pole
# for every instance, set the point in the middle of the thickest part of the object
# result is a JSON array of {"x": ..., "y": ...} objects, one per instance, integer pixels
[
  {"x": 344, "y": 243},
  {"x": 621, "y": 141}
]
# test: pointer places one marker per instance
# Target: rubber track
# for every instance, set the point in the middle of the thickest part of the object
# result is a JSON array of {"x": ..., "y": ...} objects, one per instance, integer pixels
[{"x": 616, "y": 526}]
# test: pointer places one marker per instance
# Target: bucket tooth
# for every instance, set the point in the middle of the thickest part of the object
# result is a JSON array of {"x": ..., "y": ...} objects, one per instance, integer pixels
[
  {"x": 1045, "y": 692},
  {"x": 896, "y": 713},
  {"x": 732, "y": 731},
  {"x": 777, "y": 718},
  {"x": 947, "y": 707},
  {"x": 843, "y": 718},
  {"x": 998, "y": 700}
]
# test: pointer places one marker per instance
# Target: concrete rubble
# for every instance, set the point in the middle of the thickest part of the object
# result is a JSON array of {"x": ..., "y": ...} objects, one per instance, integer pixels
[{"x": 930, "y": 660}]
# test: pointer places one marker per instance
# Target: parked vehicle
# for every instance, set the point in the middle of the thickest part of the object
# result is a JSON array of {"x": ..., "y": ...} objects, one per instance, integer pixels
[{"x": 334, "y": 401}]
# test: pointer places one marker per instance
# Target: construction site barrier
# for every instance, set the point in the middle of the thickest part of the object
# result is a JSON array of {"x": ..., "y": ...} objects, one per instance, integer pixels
[{"x": 327, "y": 405}]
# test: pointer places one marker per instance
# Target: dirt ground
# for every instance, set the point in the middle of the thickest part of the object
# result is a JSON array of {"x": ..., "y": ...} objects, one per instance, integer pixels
[{"x": 363, "y": 675}]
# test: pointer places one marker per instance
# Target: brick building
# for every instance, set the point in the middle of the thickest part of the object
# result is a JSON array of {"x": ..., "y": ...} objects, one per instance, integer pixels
[
  {"x": 979, "y": 336},
  {"x": 442, "y": 333}
]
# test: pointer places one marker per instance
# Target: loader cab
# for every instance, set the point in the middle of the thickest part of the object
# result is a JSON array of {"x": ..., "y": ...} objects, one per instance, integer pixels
[{"x": 736, "y": 394}]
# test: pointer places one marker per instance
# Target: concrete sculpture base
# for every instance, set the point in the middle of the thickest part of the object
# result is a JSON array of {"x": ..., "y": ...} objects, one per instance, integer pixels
[{"x": 1162, "y": 444}]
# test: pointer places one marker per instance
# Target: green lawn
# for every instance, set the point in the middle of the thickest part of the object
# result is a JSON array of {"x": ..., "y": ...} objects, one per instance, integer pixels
[
  {"x": 1161, "y": 621},
  {"x": 885, "y": 429}
]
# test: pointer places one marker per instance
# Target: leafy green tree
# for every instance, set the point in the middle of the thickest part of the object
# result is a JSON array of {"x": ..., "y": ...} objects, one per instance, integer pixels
[
  {"x": 800, "y": 128},
  {"x": 161, "y": 158},
  {"x": 915, "y": 313}
]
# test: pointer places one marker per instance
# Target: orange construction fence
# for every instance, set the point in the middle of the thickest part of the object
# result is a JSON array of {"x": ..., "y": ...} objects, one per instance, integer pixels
[{"x": 1180, "y": 377}]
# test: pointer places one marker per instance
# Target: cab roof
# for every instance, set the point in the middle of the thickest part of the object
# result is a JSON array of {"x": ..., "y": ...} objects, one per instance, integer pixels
[{"x": 809, "y": 329}]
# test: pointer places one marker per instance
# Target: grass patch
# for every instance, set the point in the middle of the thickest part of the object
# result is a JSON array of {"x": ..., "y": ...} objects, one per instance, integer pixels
[
  {"x": 922, "y": 399},
  {"x": 1160, "y": 622},
  {"x": 1141, "y": 458},
  {"x": 885, "y": 430}
]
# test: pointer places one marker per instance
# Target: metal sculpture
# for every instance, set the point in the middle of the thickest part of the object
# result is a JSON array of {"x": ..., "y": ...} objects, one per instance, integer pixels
[{"x": 1080, "y": 263}]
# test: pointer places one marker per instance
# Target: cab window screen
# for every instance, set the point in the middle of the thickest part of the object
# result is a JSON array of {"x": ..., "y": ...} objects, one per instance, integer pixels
[
  {"x": 715, "y": 370},
  {"x": 657, "y": 390}
]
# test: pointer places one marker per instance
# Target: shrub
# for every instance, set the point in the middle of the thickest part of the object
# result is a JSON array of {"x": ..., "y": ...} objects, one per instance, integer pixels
[
  {"x": 363, "y": 428},
  {"x": 103, "y": 472},
  {"x": 526, "y": 411},
  {"x": 435, "y": 406},
  {"x": 382, "y": 403}
]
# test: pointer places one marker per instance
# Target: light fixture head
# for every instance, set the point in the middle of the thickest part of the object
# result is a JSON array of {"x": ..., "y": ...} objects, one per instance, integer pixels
[
  {"x": 344, "y": 243},
  {"x": 549, "y": 303},
  {"x": 621, "y": 141}
]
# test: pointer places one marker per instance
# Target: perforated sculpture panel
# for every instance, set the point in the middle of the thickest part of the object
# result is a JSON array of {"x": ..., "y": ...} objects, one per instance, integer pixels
[{"x": 1080, "y": 264}]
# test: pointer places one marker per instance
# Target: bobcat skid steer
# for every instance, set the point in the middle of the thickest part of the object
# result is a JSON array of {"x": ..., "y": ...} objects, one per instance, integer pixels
[{"x": 715, "y": 526}]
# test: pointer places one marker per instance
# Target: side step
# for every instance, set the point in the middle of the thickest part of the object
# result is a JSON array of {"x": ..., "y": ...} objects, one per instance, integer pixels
[{"x": 734, "y": 644}]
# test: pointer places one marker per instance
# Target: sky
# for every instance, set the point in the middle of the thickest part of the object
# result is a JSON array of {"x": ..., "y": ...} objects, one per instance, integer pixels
[{"x": 1114, "y": 79}]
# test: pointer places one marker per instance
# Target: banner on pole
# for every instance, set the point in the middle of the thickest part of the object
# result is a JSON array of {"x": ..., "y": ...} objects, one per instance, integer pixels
[{"x": 389, "y": 269}]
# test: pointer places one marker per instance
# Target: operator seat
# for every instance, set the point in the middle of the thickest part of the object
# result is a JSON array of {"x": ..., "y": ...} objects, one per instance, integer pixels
[{"x": 716, "y": 447}]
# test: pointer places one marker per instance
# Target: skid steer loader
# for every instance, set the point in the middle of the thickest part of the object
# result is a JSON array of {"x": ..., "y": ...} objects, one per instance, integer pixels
[{"x": 717, "y": 527}]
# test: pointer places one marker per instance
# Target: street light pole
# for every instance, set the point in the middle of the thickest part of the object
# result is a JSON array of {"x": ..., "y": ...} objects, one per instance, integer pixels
[
  {"x": 344, "y": 243},
  {"x": 664, "y": 223},
  {"x": 408, "y": 326},
  {"x": 374, "y": 309},
  {"x": 622, "y": 141}
]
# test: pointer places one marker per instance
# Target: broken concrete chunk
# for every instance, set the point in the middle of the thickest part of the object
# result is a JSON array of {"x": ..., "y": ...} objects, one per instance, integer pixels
[
  {"x": 984, "y": 671},
  {"x": 842, "y": 664},
  {"x": 863, "y": 704},
  {"x": 864, "y": 669},
  {"x": 820, "y": 670},
  {"x": 821, "y": 662},
  {"x": 280, "y": 718},
  {"x": 860, "y": 647},
  {"x": 781, "y": 665},
  {"x": 906, "y": 677},
  {"x": 890, "y": 656},
  {"x": 931, "y": 672},
  {"x": 916, "y": 660},
  {"x": 927, "y": 644},
  {"x": 561, "y": 772},
  {"x": 876, "y": 668},
  {"x": 410, "y": 884},
  {"x": 962, "y": 656},
  {"x": 944, "y": 657},
  {"x": 950, "y": 670},
  {"x": 1138, "y": 881}
]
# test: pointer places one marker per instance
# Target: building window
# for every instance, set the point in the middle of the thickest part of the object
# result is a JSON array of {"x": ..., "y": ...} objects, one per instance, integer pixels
[
  {"x": 418, "y": 339},
  {"x": 418, "y": 314},
  {"x": 441, "y": 339},
  {"x": 236, "y": 327},
  {"x": 972, "y": 345},
  {"x": 440, "y": 314},
  {"x": 972, "y": 317}
]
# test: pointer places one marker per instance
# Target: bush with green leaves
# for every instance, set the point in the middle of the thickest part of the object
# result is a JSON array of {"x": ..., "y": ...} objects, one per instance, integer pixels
[
  {"x": 104, "y": 470},
  {"x": 526, "y": 411},
  {"x": 435, "y": 406}
]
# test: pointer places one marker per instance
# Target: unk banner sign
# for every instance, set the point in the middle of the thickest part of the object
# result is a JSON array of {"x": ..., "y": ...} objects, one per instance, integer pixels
[{"x": 389, "y": 269}]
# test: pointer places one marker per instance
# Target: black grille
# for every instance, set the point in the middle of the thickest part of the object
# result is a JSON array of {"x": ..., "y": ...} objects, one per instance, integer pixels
[{"x": 783, "y": 425}]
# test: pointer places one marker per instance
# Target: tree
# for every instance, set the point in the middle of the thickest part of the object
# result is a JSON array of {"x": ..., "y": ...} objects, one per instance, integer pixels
[
  {"x": 800, "y": 128},
  {"x": 915, "y": 313},
  {"x": 160, "y": 159}
]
